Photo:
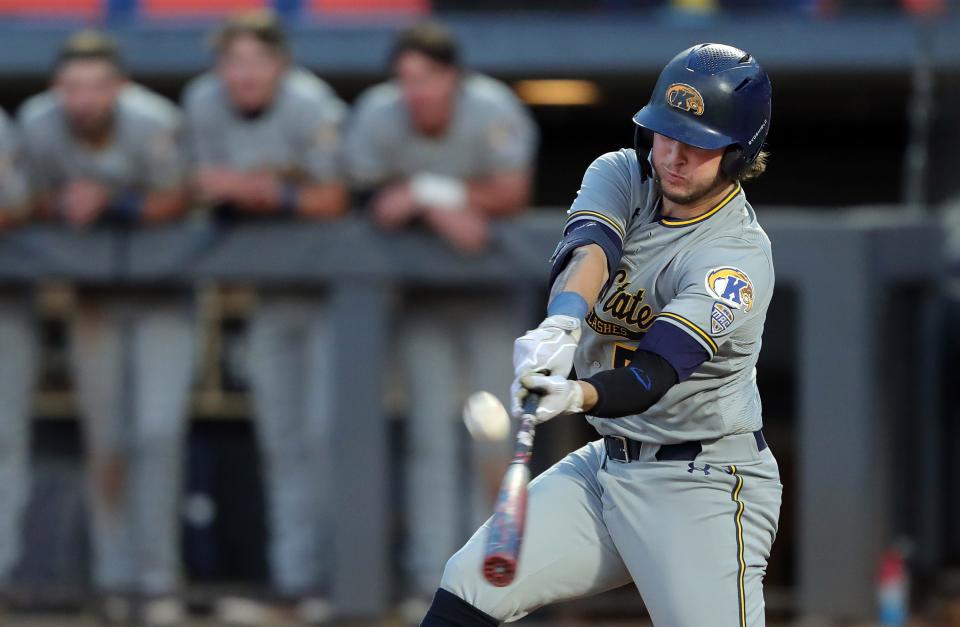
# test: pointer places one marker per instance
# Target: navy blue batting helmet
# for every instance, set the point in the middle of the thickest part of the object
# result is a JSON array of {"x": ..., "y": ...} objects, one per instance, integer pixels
[{"x": 711, "y": 96}]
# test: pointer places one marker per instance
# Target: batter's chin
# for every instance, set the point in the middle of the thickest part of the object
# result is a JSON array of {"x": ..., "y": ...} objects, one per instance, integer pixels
[
  {"x": 684, "y": 196},
  {"x": 678, "y": 195}
]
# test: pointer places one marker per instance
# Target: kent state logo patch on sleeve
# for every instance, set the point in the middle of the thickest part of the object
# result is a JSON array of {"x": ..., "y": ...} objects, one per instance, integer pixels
[
  {"x": 721, "y": 317},
  {"x": 731, "y": 286}
]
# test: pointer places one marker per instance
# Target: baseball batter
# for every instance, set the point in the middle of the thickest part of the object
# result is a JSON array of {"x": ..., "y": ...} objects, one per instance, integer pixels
[{"x": 660, "y": 287}]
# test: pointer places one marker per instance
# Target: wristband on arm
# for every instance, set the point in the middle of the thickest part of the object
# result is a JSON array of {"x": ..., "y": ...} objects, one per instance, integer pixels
[{"x": 568, "y": 304}]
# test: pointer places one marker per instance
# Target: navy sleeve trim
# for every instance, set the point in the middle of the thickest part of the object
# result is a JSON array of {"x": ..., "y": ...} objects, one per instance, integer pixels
[
  {"x": 676, "y": 346},
  {"x": 594, "y": 216},
  {"x": 583, "y": 233}
]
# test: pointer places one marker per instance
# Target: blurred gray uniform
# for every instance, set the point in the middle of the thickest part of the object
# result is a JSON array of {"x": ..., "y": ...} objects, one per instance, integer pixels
[
  {"x": 290, "y": 341},
  {"x": 18, "y": 367},
  {"x": 491, "y": 132},
  {"x": 693, "y": 530},
  {"x": 132, "y": 352}
]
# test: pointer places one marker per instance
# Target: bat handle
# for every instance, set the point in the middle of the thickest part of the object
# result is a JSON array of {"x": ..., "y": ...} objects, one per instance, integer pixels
[{"x": 530, "y": 403}]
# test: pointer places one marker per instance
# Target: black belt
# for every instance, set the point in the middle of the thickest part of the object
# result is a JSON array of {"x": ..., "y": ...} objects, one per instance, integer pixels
[{"x": 623, "y": 449}]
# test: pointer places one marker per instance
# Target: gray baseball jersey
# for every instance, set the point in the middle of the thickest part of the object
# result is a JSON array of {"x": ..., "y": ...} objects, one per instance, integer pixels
[
  {"x": 711, "y": 276},
  {"x": 297, "y": 137},
  {"x": 491, "y": 132},
  {"x": 143, "y": 154}
]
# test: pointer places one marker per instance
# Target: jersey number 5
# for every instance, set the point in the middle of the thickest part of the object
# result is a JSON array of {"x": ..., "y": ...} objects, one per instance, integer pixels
[{"x": 623, "y": 355}]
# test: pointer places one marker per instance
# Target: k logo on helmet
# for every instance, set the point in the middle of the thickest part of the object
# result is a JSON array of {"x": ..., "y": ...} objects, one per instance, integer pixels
[
  {"x": 731, "y": 286},
  {"x": 685, "y": 98}
]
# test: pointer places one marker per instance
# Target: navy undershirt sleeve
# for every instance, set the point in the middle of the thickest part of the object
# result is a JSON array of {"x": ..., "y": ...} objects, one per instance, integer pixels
[
  {"x": 665, "y": 356},
  {"x": 676, "y": 346},
  {"x": 632, "y": 389}
]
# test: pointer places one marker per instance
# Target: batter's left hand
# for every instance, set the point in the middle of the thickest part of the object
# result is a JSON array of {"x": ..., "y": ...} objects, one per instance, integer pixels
[{"x": 558, "y": 395}]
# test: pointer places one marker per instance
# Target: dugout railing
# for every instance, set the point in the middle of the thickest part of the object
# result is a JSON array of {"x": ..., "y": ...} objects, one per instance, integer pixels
[{"x": 859, "y": 345}]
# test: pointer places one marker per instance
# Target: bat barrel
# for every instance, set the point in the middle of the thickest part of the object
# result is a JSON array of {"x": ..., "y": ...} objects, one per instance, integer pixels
[{"x": 507, "y": 525}]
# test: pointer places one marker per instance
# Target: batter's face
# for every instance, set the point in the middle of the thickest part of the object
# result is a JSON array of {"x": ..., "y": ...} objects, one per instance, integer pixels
[
  {"x": 88, "y": 90},
  {"x": 251, "y": 72},
  {"x": 686, "y": 173},
  {"x": 428, "y": 89}
]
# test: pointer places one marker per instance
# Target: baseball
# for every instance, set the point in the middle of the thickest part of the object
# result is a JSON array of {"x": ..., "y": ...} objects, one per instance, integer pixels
[{"x": 485, "y": 417}]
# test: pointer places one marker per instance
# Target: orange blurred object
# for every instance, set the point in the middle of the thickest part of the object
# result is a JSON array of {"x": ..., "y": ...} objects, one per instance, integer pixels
[
  {"x": 368, "y": 7},
  {"x": 194, "y": 8},
  {"x": 52, "y": 8},
  {"x": 695, "y": 6}
]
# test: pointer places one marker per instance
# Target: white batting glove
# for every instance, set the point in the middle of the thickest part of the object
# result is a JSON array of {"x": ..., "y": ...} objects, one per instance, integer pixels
[
  {"x": 549, "y": 348},
  {"x": 558, "y": 395}
]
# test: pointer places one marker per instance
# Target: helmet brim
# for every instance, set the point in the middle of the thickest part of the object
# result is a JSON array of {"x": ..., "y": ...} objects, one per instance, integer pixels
[{"x": 681, "y": 127}]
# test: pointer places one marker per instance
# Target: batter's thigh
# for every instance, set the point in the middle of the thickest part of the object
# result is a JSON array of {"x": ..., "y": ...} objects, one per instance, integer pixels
[
  {"x": 696, "y": 540},
  {"x": 567, "y": 552}
]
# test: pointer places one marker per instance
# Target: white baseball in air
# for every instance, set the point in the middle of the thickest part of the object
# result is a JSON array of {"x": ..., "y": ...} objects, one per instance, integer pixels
[{"x": 486, "y": 417}]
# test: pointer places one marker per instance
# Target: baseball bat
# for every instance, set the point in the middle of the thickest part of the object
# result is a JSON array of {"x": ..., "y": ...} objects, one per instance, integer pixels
[{"x": 509, "y": 517}]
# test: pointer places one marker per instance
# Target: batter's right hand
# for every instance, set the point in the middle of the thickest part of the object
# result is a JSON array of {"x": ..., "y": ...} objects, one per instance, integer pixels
[{"x": 558, "y": 395}]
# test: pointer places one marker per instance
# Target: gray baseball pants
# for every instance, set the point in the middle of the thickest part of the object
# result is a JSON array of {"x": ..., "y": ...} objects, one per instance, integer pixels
[
  {"x": 291, "y": 372},
  {"x": 694, "y": 540},
  {"x": 19, "y": 353},
  {"x": 132, "y": 364}
]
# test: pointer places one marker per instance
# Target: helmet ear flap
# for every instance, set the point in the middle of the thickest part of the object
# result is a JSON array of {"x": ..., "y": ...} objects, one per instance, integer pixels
[
  {"x": 732, "y": 163},
  {"x": 642, "y": 145}
]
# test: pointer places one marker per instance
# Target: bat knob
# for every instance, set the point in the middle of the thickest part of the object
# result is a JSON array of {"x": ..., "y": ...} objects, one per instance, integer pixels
[{"x": 499, "y": 570}]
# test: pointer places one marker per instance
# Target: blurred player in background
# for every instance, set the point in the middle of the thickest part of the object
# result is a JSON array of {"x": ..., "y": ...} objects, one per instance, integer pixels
[
  {"x": 450, "y": 150},
  {"x": 102, "y": 152},
  {"x": 263, "y": 137},
  {"x": 18, "y": 363}
]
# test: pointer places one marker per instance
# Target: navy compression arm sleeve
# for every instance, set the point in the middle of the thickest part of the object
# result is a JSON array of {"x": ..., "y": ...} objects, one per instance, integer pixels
[{"x": 633, "y": 389}]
